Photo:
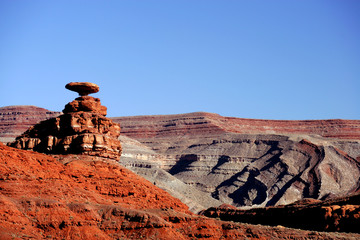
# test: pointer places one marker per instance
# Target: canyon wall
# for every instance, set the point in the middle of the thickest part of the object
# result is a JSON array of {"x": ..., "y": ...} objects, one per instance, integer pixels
[{"x": 248, "y": 163}]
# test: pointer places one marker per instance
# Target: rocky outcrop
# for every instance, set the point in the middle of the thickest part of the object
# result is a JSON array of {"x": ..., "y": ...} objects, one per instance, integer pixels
[
  {"x": 77, "y": 133},
  {"x": 86, "y": 197},
  {"x": 85, "y": 104},
  {"x": 14, "y": 120},
  {"x": 340, "y": 214},
  {"x": 82, "y": 129}
]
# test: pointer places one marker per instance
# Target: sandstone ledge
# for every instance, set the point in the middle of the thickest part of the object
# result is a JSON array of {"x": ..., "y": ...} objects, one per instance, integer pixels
[{"x": 77, "y": 133}]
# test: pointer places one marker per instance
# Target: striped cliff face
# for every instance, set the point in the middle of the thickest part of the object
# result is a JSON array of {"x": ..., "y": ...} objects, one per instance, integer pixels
[
  {"x": 201, "y": 123},
  {"x": 14, "y": 120},
  {"x": 249, "y": 162}
]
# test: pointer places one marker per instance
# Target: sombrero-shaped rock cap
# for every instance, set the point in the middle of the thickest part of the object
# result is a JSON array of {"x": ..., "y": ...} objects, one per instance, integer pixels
[{"x": 83, "y": 88}]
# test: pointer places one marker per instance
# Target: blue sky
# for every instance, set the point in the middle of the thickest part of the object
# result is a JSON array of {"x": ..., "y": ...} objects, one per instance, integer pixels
[{"x": 287, "y": 59}]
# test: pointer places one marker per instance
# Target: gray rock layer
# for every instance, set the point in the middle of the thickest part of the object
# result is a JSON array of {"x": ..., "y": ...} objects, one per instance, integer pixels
[
  {"x": 254, "y": 170},
  {"x": 253, "y": 164}
]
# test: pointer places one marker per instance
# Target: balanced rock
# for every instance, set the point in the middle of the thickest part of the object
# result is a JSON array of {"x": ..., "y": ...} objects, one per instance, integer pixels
[
  {"x": 83, "y": 88},
  {"x": 82, "y": 129}
]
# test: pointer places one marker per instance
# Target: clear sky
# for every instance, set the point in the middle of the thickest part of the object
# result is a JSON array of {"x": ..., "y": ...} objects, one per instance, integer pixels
[{"x": 290, "y": 59}]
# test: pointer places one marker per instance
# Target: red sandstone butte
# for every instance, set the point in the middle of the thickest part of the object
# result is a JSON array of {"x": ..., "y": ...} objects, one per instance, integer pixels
[{"x": 82, "y": 129}]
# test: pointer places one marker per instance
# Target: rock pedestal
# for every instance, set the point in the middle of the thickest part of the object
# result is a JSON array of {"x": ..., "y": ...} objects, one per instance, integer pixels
[
  {"x": 85, "y": 104},
  {"x": 82, "y": 129}
]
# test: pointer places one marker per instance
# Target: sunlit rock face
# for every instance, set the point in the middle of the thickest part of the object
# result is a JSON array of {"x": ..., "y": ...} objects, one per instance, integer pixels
[{"x": 82, "y": 129}]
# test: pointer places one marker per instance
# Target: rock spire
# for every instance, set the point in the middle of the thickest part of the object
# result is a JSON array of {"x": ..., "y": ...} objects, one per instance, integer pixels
[{"x": 82, "y": 129}]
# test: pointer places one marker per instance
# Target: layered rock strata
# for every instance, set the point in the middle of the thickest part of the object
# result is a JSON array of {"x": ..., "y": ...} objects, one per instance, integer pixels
[
  {"x": 246, "y": 162},
  {"x": 200, "y": 123},
  {"x": 263, "y": 170},
  {"x": 136, "y": 157},
  {"x": 14, "y": 120},
  {"x": 82, "y": 129}
]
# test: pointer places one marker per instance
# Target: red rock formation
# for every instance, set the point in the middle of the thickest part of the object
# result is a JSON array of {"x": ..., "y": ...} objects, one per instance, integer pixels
[
  {"x": 14, "y": 120},
  {"x": 85, "y": 104},
  {"x": 85, "y": 197},
  {"x": 82, "y": 129},
  {"x": 80, "y": 133},
  {"x": 83, "y": 88}
]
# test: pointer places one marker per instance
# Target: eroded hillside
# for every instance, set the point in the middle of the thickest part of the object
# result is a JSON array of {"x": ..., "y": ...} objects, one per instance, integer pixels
[{"x": 87, "y": 197}]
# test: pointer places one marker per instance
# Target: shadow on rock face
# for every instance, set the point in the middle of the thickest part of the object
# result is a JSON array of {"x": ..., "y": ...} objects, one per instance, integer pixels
[{"x": 183, "y": 163}]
